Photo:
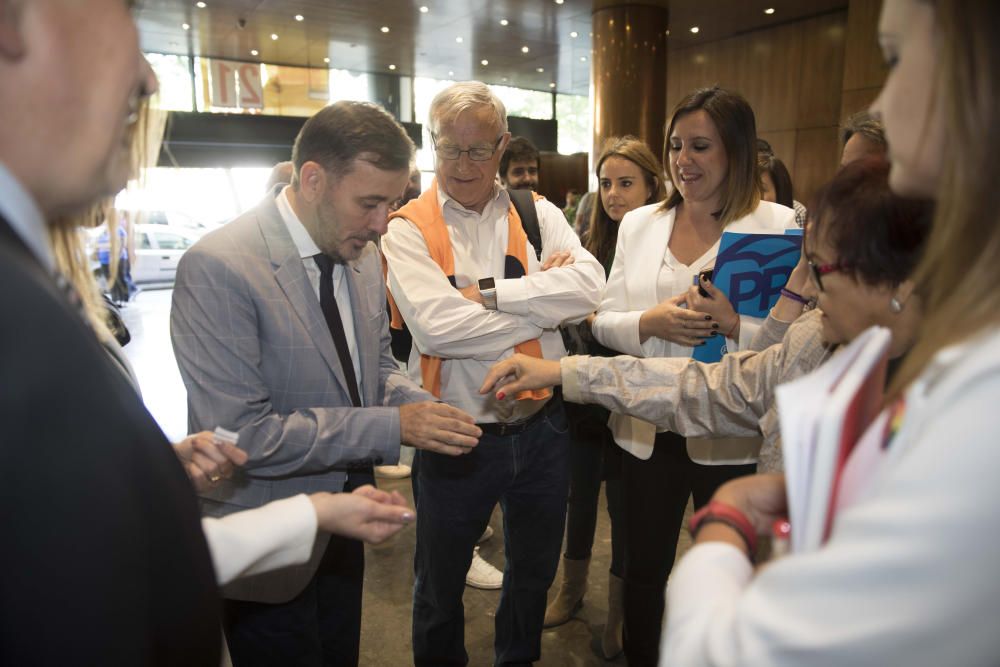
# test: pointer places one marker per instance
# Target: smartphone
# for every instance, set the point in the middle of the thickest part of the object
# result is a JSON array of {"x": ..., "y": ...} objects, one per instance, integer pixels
[{"x": 704, "y": 275}]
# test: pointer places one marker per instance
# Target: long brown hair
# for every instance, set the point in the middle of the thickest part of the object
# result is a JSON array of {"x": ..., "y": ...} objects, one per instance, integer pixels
[
  {"x": 603, "y": 232},
  {"x": 960, "y": 272},
  {"x": 734, "y": 119}
]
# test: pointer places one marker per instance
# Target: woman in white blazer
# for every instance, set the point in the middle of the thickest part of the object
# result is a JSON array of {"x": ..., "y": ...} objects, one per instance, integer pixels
[{"x": 650, "y": 309}]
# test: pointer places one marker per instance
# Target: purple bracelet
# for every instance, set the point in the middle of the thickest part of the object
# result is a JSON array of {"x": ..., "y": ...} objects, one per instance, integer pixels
[{"x": 794, "y": 297}]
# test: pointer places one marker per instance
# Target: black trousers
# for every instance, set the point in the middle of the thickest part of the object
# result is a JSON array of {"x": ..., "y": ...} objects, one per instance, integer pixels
[
  {"x": 594, "y": 457},
  {"x": 320, "y": 627},
  {"x": 655, "y": 495}
]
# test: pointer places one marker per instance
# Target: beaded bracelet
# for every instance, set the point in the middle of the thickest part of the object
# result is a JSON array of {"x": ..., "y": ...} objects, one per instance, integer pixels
[{"x": 789, "y": 294}]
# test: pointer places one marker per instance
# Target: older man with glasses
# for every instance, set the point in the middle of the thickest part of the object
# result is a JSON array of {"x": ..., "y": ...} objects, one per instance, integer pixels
[{"x": 471, "y": 289}]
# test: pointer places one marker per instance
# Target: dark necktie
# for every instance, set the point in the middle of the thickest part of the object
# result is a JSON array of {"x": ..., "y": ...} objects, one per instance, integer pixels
[{"x": 331, "y": 312}]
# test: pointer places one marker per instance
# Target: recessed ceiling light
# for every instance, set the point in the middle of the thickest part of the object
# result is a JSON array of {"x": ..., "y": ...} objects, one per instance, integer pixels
[
  {"x": 392, "y": 67},
  {"x": 769, "y": 10},
  {"x": 504, "y": 79},
  {"x": 384, "y": 28},
  {"x": 553, "y": 84},
  {"x": 200, "y": 5},
  {"x": 299, "y": 17},
  {"x": 559, "y": 2},
  {"x": 254, "y": 52},
  {"x": 424, "y": 9},
  {"x": 540, "y": 70},
  {"x": 326, "y": 60},
  {"x": 574, "y": 34},
  {"x": 583, "y": 59},
  {"x": 459, "y": 40},
  {"x": 185, "y": 26},
  {"x": 484, "y": 62},
  {"x": 504, "y": 22},
  {"x": 524, "y": 49},
  {"x": 451, "y": 73},
  {"x": 274, "y": 37},
  {"x": 695, "y": 29}
]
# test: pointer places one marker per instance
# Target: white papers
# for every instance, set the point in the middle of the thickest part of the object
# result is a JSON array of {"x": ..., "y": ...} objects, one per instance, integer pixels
[{"x": 822, "y": 415}]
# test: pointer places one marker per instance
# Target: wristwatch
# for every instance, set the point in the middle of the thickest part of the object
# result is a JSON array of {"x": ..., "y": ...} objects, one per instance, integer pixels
[{"x": 488, "y": 291}]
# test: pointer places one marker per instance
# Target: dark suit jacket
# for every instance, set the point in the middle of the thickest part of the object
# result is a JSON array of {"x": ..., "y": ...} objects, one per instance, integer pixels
[{"x": 102, "y": 555}]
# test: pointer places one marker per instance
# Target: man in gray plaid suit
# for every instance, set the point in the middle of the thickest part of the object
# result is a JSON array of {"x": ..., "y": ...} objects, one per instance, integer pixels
[{"x": 280, "y": 332}]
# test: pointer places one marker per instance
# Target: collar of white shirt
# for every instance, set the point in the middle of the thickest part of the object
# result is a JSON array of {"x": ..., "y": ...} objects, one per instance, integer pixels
[
  {"x": 300, "y": 237},
  {"x": 25, "y": 218},
  {"x": 500, "y": 198}
]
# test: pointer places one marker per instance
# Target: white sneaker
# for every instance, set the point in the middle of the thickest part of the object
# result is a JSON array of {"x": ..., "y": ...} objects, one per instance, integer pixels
[
  {"x": 392, "y": 472},
  {"x": 483, "y": 575},
  {"x": 487, "y": 534}
]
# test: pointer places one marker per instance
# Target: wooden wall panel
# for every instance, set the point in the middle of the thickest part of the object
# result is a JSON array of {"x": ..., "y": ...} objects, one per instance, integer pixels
[
  {"x": 863, "y": 66},
  {"x": 783, "y": 144},
  {"x": 857, "y": 100},
  {"x": 817, "y": 154},
  {"x": 819, "y": 94},
  {"x": 558, "y": 173}
]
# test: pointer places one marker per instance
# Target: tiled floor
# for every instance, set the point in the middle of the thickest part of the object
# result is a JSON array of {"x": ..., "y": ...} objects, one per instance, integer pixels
[{"x": 385, "y": 633}]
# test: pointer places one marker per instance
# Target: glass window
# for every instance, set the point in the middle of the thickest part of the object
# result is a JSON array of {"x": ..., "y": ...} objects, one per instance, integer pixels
[
  {"x": 525, "y": 103},
  {"x": 174, "y": 75},
  {"x": 345, "y": 85},
  {"x": 142, "y": 241},
  {"x": 168, "y": 241},
  {"x": 573, "y": 114}
]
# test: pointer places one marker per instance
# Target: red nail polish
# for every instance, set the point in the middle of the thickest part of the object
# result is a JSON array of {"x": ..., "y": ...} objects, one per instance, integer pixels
[{"x": 500, "y": 395}]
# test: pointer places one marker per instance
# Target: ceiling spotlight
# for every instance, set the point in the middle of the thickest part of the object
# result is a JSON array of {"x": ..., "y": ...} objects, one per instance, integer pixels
[
  {"x": 574, "y": 34},
  {"x": 299, "y": 17},
  {"x": 200, "y": 5},
  {"x": 384, "y": 28},
  {"x": 274, "y": 37},
  {"x": 553, "y": 84},
  {"x": 254, "y": 52},
  {"x": 695, "y": 29},
  {"x": 769, "y": 10},
  {"x": 504, "y": 79},
  {"x": 559, "y": 2},
  {"x": 484, "y": 62},
  {"x": 424, "y": 9},
  {"x": 392, "y": 67},
  {"x": 459, "y": 40},
  {"x": 326, "y": 60},
  {"x": 451, "y": 73},
  {"x": 524, "y": 49},
  {"x": 504, "y": 22},
  {"x": 583, "y": 59},
  {"x": 540, "y": 70},
  {"x": 186, "y": 26}
]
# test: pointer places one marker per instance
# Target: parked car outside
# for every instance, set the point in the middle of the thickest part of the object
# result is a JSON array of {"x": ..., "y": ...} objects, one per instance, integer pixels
[{"x": 158, "y": 249}]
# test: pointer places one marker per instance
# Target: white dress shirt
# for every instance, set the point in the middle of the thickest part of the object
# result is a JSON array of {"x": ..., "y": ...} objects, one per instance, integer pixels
[
  {"x": 307, "y": 251},
  {"x": 466, "y": 335},
  {"x": 21, "y": 212},
  {"x": 909, "y": 575}
]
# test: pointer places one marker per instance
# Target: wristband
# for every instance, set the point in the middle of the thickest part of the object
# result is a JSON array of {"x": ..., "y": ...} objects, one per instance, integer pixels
[
  {"x": 721, "y": 512},
  {"x": 794, "y": 296}
]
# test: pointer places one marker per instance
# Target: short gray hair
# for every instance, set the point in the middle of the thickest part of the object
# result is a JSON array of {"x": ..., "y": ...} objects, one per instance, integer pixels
[
  {"x": 463, "y": 96},
  {"x": 867, "y": 125}
]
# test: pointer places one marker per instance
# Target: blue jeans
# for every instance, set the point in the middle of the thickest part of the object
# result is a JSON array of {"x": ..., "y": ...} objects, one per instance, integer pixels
[{"x": 528, "y": 474}]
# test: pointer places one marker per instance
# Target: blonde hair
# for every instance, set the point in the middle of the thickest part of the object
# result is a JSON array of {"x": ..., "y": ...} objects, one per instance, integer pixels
[
  {"x": 737, "y": 127},
  {"x": 463, "y": 96},
  {"x": 66, "y": 235},
  {"x": 959, "y": 274}
]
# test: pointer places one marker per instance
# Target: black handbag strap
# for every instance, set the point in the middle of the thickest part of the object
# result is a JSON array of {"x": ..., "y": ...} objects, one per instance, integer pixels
[{"x": 524, "y": 204}]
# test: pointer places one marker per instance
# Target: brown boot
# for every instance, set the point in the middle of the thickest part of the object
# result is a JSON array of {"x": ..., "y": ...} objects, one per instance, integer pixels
[
  {"x": 611, "y": 641},
  {"x": 569, "y": 599}
]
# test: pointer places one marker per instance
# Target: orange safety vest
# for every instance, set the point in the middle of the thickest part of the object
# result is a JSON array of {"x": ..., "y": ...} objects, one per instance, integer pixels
[{"x": 425, "y": 213}]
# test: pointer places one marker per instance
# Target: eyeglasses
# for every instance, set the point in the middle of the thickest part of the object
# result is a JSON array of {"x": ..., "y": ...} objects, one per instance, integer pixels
[
  {"x": 476, "y": 153},
  {"x": 817, "y": 271}
]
